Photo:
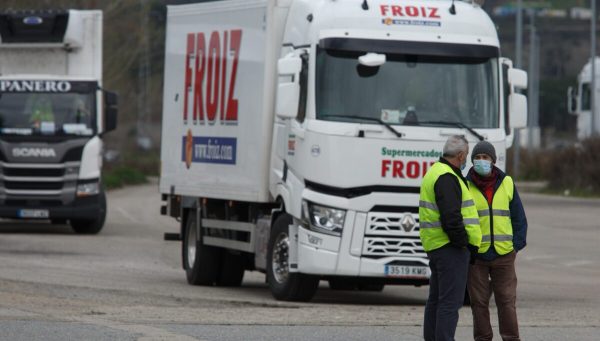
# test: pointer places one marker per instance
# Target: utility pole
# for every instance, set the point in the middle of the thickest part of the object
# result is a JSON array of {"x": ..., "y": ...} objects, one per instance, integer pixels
[
  {"x": 143, "y": 140},
  {"x": 593, "y": 61},
  {"x": 518, "y": 64},
  {"x": 519, "y": 36},
  {"x": 533, "y": 93}
]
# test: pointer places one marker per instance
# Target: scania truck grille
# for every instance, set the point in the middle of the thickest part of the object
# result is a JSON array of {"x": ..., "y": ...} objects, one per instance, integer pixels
[
  {"x": 21, "y": 181},
  {"x": 392, "y": 234}
]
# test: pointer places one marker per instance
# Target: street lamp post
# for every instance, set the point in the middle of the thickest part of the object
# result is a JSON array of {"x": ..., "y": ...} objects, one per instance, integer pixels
[
  {"x": 593, "y": 61},
  {"x": 519, "y": 64}
]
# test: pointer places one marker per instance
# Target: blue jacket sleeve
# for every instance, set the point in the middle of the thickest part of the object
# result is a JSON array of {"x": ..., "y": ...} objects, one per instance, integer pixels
[{"x": 519, "y": 222}]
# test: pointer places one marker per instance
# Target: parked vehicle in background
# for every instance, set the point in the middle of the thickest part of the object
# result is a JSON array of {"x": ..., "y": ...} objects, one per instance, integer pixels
[
  {"x": 53, "y": 115},
  {"x": 580, "y": 101},
  {"x": 296, "y": 133}
]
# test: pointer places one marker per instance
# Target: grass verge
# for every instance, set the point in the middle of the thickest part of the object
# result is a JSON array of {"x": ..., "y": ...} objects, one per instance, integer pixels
[{"x": 121, "y": 176}]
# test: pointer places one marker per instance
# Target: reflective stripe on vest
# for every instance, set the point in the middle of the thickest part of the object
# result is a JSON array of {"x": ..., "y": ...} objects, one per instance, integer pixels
[
  {"x": 486, "y": 212},
  {"x": 431, "y": 232},
  {"x": 498, "y": 215}
]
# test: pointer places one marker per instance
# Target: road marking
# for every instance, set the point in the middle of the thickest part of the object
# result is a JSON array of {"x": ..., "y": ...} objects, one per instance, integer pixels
[
  {"x": 126, "y": 215},
  {"x": 144, "y": 332},
  {"x": 538, "y": 257},
  {"x": 579, "y": 262}
]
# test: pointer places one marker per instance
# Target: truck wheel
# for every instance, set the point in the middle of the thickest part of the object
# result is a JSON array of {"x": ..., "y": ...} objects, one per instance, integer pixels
[
  {"x": 92, "y": 226},
  {"x": 201, "y": 262},
  {"x": 286, "y": 285},
  {"x": 340, "y": 284},
  {"x": 371, "y": 287},
  {"x": 232, "y": 270}
]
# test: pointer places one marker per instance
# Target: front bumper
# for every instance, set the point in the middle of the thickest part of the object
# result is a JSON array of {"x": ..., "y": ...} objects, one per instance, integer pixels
[
  {"x": 363, "y": 250},
  {"x": 80, "y": 208}
]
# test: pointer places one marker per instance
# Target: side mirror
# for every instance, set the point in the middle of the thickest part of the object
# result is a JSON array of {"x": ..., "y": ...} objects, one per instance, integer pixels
[
  {"x": 572, "y": 101},
  {"x": 372, "y": 59},
  {"x": 517, "y": 104},
  {"x": 111, "y": 100},
  {"x": 288, "y": 92},
  {"x": 517, "y": 78}
]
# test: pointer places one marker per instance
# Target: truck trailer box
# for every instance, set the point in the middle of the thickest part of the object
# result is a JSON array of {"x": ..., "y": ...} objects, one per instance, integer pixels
[{"x": 218, "y": 101}]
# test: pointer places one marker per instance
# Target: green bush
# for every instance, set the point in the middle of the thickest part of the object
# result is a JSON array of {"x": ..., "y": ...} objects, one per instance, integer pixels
[
  {"x": 576, "y": 168},
  {"x": 121, "y": 176}
]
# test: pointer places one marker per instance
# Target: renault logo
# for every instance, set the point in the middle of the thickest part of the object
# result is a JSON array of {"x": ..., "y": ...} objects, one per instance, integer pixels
[{"x": 408, "y": 222}]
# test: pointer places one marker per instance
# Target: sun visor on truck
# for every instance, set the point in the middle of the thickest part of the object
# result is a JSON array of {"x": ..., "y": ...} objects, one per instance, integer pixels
[
  {"x": 33, "y": 26},
  {"x": 411, "y": 47}
]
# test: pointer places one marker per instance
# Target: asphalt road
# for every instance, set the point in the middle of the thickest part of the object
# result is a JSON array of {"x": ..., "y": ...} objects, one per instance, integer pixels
[{"x": 127, "y": 284}]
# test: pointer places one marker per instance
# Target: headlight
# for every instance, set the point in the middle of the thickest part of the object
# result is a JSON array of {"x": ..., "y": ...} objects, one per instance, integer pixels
[
  {"x": 323, "y": 219},
  {"x": 87, "y": 189}
]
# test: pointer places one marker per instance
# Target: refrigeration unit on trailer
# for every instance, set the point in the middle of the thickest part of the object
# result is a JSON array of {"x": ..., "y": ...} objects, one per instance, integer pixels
[
  {"x": 296, "y": 133},
  {"x": 53, "y": 114}
]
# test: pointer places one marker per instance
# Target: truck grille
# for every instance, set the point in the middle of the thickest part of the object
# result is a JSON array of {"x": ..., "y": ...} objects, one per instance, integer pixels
[
  {"x": 33, "y": 172},
  {"x": 393, "y": 247},
  {"x": 21, "y": 181},
  {"x": 393, "y": 224},
  {"x": 392, "y": 234}
]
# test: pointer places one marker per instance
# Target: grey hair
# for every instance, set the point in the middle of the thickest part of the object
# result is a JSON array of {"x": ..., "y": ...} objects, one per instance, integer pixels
[{"x": 455, "y": 144}]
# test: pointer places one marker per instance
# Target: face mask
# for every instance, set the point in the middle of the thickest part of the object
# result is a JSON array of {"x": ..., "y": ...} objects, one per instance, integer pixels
[{"x": 482, "y": 167}]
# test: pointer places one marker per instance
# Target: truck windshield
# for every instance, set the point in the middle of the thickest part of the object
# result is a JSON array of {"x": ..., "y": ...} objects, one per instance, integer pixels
[
  {"x": 30, "y": 113},
  {"x": 408, "y": 89}
]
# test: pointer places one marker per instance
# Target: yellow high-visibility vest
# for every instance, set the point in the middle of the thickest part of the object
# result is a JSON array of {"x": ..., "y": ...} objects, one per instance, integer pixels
[
  {"x": 431, "y": 232},
  {"x": 495, "y": 217}
]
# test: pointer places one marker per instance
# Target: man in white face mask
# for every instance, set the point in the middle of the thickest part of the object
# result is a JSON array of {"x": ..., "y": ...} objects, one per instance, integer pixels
[{"x": 504, "y": 230}]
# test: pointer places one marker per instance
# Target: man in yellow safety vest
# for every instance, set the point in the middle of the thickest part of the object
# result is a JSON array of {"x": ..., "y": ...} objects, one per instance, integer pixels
[
  {"x": 504, "y": 230},
  {"x": 449, "y": 230}
]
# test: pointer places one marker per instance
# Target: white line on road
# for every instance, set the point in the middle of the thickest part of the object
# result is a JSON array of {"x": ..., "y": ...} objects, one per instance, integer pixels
[
  {"x": 578, "y": 263},
  {"x": 539, "y": 257},
  {"x": 127, "y": 215},
  {"x": 144, "y": 332}
]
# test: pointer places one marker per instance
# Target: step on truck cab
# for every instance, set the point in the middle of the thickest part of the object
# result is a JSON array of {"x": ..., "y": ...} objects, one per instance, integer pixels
[
  {"x": 53, "y": 115},
  {"x": 296, "y": 133}
]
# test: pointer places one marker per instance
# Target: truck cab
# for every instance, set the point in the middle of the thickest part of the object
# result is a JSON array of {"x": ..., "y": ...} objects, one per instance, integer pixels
[
  {"x": 53, "y": 115},
  {"x": 580, "y": 100},
  {"x": 367, "y": 96}
]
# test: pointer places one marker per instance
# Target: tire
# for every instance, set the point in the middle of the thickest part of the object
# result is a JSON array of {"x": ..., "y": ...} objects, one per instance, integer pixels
[
  {"x": 92, "y": 226},
  {"x": 286, "y": 285},
  {"x": 374, "y": 287},
  {"x": 232, "y": 269},
  {"x": 341, "y": 285},
  {"x": 201, "y": 262}
]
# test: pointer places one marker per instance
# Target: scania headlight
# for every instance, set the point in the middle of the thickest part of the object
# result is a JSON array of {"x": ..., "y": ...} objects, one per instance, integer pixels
[
  {"x": 87, "y": 189},
  {"x": 323, "y": 219}
]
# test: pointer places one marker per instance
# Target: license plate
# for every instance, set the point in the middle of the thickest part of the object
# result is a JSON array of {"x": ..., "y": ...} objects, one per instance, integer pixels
[
  {"x": 36, "y": 214},
  {"x": 407, "y": 271}
]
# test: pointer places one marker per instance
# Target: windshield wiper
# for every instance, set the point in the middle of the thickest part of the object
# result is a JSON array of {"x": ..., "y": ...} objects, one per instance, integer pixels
[
  {"x": 372, "y": 119},
  {"x": 456, "y": 124}
]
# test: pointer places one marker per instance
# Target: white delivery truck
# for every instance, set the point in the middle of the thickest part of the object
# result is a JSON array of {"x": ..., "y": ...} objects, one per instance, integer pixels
[
  {"x": 53, "y": 114},
  {"x": 296, "y": 133},
  {"x": 580, "y": 101}
]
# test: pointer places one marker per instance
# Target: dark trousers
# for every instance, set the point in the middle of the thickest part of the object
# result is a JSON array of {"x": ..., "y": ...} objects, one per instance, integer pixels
[
  {"x": 449, "y": 266},
  {"x": 499, "y": 277}
]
